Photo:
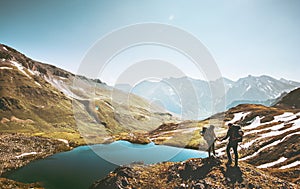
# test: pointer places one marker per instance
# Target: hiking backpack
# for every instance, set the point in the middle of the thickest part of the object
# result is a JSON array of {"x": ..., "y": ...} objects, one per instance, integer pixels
[{"x": 240, "y": 134}]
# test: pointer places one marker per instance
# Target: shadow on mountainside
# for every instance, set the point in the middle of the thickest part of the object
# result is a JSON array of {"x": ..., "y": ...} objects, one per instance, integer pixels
[
  {"x": 233, "y": 175},
  {"x": 191, "y": 170}
]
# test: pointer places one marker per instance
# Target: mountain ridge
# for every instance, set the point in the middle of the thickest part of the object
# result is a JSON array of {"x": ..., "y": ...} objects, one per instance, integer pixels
[
  {"x": 49, "y": 101},
  {"x": 179, "y": 95}
]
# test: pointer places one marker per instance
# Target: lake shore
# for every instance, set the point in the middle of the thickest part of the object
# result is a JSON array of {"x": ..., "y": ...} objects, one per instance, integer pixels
[{"x": 17, "y": 150}]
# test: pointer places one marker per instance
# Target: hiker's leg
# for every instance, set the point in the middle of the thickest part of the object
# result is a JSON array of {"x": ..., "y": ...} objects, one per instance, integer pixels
[
  {"x": 236, "y": 155},
  {"x": 228, "y": 153},
  {"x": 209, "y": 149},
  {"x": 213, "y": 148}
]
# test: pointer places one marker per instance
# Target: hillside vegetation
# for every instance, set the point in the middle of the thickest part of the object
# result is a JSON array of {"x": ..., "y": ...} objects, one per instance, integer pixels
[{"x": 44, "y": 100}]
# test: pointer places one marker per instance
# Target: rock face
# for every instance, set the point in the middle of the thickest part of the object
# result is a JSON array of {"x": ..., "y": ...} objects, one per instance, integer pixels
[{"x": 193, "y": 173}]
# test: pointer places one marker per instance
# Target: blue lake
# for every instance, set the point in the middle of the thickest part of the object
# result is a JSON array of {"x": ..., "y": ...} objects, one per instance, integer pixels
[{"x": 80, "y": 167}]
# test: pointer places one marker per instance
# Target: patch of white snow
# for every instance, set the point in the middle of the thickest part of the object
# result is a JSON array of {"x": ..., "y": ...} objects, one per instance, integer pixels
[
  {"x": 274, "y": 128},
  {"x": 20, "y": 67},
  {"x": 63, "y": 78},
  {"x": 37, "y": 83},
  {"x": 267, "y": 146},
  {"x": 255, "y": 123},
  {"x": 249, "y": 87},
  {"x": 271, "y": 164},
  {"x": 296, "y": 125},
  {"x": 286, "y": 116},
  {"x": 32, "y": 72},
  {"x": 26, "y": 154},
  {"x": 237, "y": 117},
  {"x": 220, "y": 151},
  {"x": 64, "y": 141},
  {"x": 5, "y": 68},
  {"x": 294, "y": 164}
]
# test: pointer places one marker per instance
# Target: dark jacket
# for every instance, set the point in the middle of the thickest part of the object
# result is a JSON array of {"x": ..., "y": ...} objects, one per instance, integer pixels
[{"x": 233, "y": 134}]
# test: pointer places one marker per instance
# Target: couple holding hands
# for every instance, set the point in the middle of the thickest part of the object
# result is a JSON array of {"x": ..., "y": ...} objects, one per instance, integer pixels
[{"x": 234, "y": 134}]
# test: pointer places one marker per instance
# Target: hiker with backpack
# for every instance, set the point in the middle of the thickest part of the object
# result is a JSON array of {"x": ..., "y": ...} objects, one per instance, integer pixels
[
  {"x": 235, "y": 135},
  {"x": 210, "y": 137}
]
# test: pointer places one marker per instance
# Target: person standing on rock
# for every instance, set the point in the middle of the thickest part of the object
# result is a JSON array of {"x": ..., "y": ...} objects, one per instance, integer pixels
[
  {"x": 234, "y": 136},
  {"x": 210, "y": 138}
]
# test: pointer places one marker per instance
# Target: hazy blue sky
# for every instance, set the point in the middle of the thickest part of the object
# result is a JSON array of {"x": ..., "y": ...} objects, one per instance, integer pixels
[{"x": 244, "y": 36}]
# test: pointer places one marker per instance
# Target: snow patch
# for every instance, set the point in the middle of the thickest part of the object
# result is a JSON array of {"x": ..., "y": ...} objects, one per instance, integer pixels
[
  {"x": 5, "y": 48},
  {"x": 294, "y": 164},
  {"x": 271, "y": 164},
  {"x": 274, "y": 128},
  {"x": 63, "y": 78},
  {"x": 249, "y": 87},
  {"x": 26, "y": 154},
  {"x": 296, "y": 125},
  {"x": 267, "y": 146},
  {"x": 58, "y": 84},
  {"x": 220, "y": 151},
  {"x": 5, "y": 68},
  {"x": 286, "y": 116},
  {"x": 37, "y": 83},
  {"x": 248, "y": 144},
  {"x": 237, "y": 117},
  {"x": 64, "y": 141},
  {"x": 32, "y": 72},
  {"x": 255, "y": 123},
  {"x": 20, "y": 67}
]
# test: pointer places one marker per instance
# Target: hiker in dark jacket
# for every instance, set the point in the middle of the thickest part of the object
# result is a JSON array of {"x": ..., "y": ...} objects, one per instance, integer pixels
[
  {"x": 210, "y": 138},
  {"x": 234, "y": 139}
]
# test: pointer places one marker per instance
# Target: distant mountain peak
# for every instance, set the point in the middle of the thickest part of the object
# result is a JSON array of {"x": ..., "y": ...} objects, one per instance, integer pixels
[{"x": 251, "y": 89}]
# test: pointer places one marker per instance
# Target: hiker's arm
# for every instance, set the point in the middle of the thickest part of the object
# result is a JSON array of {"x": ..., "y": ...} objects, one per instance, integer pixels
[{"x": 224, "y": 138}]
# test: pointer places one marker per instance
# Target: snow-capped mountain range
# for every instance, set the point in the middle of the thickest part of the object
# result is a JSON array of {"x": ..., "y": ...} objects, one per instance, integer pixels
[{"x": 187, "y": 97}]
